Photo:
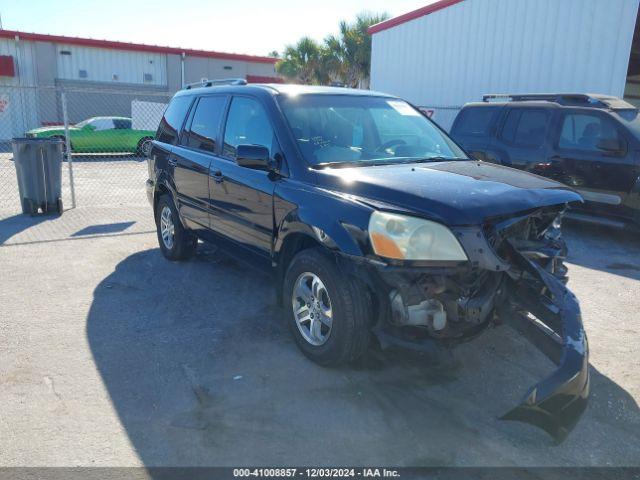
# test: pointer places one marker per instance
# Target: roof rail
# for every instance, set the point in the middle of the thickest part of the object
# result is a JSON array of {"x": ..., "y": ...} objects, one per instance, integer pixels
[
  {"x": 212, "y": 83},
  {"x": 576, "y": 99}
]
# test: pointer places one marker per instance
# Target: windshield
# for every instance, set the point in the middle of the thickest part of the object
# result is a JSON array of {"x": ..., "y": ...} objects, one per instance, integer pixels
[{"x": 361, "y": 130}]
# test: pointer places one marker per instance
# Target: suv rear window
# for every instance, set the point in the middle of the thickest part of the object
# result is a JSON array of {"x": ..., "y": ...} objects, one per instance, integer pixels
[
  {"x": 525, "y": 127},
  {"x": 474, "y": 121},
  {"x": 172, "y": 119}
]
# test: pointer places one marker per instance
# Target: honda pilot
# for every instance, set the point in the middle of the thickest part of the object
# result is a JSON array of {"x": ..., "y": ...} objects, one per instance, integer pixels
[{"x": 377, "y": 227}]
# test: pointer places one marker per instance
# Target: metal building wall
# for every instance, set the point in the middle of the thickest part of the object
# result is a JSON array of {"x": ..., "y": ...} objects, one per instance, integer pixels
[
  {"x": 455, "y": 55},
  {"x": 18, "y": 105},
  {"x": 101, "y": 64}
]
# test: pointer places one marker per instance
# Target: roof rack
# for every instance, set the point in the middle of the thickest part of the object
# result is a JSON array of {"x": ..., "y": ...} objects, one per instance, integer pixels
[
  {"x": 577, "y": 99},
  {"x": 212, "y": 83}
]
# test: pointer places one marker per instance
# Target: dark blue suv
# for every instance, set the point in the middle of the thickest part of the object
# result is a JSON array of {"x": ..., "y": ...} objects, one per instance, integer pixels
[
  {"x": 377, "y": 228},
  {"x": 588, "y": 142}
]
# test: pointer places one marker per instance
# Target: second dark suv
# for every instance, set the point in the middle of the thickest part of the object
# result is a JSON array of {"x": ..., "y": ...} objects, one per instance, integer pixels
[
  {"x": 377, "y": 228},
  {"x": 589, "y": 142}
]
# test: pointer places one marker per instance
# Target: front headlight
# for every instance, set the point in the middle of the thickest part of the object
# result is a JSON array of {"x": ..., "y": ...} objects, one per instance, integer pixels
[{"x": 409, "y": 238}]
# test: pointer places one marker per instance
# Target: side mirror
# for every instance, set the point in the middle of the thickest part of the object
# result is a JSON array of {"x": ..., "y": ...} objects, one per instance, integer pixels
[
  {"x": 610, "y": 145},
  {"x": 88, "y": 127},
  {"x": 255, "y": 157}
]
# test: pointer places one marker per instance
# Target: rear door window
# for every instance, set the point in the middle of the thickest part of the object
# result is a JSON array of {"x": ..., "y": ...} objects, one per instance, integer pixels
[
  {"x": 172, "y": 119},
  {"x": 202, "y": 133},
  {"x": 525, "y": 127},
  {"x": 474, "y": 121}
]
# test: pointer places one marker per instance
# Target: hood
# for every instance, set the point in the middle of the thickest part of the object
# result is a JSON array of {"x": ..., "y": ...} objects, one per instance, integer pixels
[{"x": 454, "y": 193}]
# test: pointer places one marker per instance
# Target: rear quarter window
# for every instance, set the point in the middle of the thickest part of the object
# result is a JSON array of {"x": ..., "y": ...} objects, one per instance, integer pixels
[
  {"x": 172, "y": 119},
  {"x": 474, "y": 121}
]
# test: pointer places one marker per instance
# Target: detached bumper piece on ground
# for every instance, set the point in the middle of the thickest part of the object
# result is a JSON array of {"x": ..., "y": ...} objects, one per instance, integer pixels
[{"x": 550, "y": 319}]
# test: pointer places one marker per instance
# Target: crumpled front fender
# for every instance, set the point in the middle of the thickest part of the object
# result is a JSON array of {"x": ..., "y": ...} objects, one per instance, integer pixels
[{"x": 538, "y": 305}]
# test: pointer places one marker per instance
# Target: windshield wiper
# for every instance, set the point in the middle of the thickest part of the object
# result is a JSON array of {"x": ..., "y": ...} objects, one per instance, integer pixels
[
  {"x": 390, "y": 161},
  {"x": 436, "y": 159},
  {"x": 353, "y": 163}
]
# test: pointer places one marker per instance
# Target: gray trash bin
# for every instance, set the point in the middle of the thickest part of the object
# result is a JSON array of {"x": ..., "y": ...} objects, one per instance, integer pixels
[{"x": 39, "y": 169}]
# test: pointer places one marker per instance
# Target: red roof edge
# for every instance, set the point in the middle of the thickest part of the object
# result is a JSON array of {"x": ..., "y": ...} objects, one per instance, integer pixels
[
  {"x": 263, "y": 79},
  {"x": 421, "y": 12},
  {"x": 137, "y": 47}
]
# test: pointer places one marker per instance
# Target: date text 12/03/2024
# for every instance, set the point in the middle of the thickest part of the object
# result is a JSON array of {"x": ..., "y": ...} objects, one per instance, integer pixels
[{"x": 316, "y": 472}]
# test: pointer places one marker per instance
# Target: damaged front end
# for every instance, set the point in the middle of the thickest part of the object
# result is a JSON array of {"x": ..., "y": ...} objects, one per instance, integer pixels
[{"x": 515, "y": 275}]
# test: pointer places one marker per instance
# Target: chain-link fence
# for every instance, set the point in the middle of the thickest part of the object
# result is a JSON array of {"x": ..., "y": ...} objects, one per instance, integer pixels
[{"x": 107, "y": 132}]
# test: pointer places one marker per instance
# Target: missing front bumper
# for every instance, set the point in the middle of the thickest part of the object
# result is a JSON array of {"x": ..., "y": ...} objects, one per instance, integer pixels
[{"x": 551, "y": 320}]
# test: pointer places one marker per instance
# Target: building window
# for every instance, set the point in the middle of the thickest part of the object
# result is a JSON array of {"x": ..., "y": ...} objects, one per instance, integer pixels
[
  {"x": 114, "y": 77},
  {"x": 82, "y": 74},
  {"x": 7, "y": 67},
  {"x": 65, "y": 52},
  {"x": 148, "y": 78},
  {"x": 228, "y": 67}
]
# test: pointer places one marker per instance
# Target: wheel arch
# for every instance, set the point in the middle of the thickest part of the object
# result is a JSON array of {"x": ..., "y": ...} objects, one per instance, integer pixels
[{"x": 311, "y": 228}]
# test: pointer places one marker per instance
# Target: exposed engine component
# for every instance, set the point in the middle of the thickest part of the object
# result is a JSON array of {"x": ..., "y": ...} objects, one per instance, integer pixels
[{"x": 428, "y": 313}]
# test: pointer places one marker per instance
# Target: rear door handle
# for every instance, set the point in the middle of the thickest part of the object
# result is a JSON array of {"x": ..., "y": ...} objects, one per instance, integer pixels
[
  {"x": 172, "y": 161},
  {"x": 217, "y": 176}
]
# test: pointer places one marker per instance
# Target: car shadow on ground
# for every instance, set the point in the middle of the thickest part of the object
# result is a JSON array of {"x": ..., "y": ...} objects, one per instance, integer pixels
[
  {"x": 622, "y": 248},
  {"x": 201, "y": 370}
]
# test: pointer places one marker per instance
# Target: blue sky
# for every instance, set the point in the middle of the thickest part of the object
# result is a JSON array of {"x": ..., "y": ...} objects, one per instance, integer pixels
[{"x": 249, "y": 26}]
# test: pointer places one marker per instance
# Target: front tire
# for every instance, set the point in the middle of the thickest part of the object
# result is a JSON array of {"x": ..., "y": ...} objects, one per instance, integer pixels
[
  {"x": 329, "y": 313},
  {"x": 176, "y": 242},
  {"x": 64, "y": 145},
  {"x": 144, "y": 147}
]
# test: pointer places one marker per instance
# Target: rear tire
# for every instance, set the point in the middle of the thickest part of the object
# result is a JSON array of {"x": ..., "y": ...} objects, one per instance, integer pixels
[
  {"x": 176, "y": 242},
  {"x": 346, "y": 298}
]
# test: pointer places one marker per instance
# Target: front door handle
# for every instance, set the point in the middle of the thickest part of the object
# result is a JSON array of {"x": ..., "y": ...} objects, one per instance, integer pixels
[{"x": 217, "y": 176}]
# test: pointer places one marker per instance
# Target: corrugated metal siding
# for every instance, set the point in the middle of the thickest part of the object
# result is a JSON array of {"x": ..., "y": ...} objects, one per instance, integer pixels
[
  {"x": 102, "y": 64},
  {"x": 18, "y": 108},
  {"x": 456, "y": 55},
  {"x": 22, "y": 53}
]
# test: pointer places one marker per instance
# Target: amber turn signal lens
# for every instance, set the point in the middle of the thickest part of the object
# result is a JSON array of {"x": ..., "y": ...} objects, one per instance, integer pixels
[{"x": 385, "y": 247}]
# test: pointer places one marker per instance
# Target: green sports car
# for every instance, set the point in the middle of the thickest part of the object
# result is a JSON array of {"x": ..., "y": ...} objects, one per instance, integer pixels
[{"x": 101, "y": 135}]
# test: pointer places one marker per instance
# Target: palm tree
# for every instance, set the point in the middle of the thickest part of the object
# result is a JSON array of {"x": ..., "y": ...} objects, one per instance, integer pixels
[
  {"x": 363, "y": 58},
  {"x": 302, "y": 62},
  {"x": 345, "y": 58}
]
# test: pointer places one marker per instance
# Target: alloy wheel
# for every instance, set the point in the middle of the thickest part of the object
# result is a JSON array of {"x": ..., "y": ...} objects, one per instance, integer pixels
[
  {"x": 312, "y": 309},
  {"x": 145, "y": 148},
  {"x": 167, "y": 228}
]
